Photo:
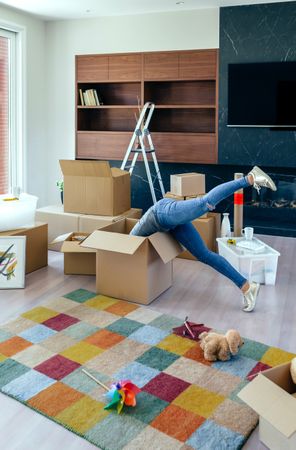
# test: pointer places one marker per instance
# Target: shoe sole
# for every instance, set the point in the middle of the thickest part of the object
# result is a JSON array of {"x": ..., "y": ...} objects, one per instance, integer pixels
[{"x": 256, "y": 295}]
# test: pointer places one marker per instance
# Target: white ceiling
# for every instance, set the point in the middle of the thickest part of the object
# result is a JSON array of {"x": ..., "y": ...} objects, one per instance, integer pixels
[{"x": 81, "y": 9}]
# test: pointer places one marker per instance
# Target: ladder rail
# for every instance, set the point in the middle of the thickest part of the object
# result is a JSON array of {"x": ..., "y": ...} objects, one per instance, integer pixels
[{"x": 142, "y": 135}]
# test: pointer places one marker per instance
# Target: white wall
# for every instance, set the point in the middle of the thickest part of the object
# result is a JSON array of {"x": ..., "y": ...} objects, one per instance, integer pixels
[
  {"x": 34, "y": 65},
  {"x": 64, "y": 39}
]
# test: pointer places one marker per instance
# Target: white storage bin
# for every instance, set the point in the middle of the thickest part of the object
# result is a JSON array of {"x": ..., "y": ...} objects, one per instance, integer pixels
[
  {"x": 260, "y": 267},
  {"x": 19, "y": 213}
]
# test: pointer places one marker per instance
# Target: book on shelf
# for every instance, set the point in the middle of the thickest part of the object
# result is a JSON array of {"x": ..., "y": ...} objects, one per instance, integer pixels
[{"x": 81, "y": 97}]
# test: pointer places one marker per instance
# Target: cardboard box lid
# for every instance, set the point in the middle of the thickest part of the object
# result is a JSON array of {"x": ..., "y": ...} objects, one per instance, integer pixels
[
  {"x": 271, "y": 402},
  {"x": 64, "y": 244},
  {"x": 85, "y": 168},
  {"x": 165, "y": 245},
  {"x": 113, "y": 242}
]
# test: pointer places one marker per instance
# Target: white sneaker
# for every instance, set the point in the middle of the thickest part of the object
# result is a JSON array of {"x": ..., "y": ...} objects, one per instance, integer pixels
[
  {"x": 250, "y": 297},
  {"x": 261, "y": 179}
]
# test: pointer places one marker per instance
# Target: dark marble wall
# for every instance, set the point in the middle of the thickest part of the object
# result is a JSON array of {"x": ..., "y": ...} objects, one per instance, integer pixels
[{"x": 255, "y": 33}]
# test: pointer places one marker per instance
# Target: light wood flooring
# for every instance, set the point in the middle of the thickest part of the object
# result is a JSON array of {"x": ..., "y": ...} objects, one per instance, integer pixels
[{"x": 198, "y": 292}]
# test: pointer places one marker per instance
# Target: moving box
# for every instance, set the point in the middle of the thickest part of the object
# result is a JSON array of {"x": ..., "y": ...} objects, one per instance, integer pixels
[
  {"x": 129, "y": 267},
  {"x": 186, "y": 184}
]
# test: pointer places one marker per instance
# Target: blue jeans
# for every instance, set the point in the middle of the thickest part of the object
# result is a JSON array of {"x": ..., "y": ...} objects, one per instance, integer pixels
[{"x": 176, "y": 216}]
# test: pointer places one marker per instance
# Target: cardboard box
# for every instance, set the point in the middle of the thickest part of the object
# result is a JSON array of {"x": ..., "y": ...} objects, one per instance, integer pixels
[
  {"x": 209, "y": 229},
  {"x": 59, "y": 222},
  {"x": 36, "y": 245},
  {"x": 78, "y": 260},
  {"x": 185, "y": 184},
  {"x": 88, "y": 223},
  {"x": 269, "y": 394},
  {"x": 188, "y": 197},
  {"x": 133, "y": 268},
  {"x": 92, "y": 187}
]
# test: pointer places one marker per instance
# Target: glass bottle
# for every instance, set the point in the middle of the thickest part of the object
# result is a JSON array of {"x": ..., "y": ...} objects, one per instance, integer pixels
[{"x": 225, "y": 226}]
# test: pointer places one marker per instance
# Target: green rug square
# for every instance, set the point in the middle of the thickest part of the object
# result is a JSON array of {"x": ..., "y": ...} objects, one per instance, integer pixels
[
  {"x": 148, "y": 407},
  {"x": 165, "y": 322},
  {"x": 124, "y": 326},
  {"x": 115, "y": 431},
  {"x": 10, "y": 369},
  {"x": 252, "y": 349},
  {"x": 157, "y": 358},
  {"x": 80, "y": 295},
  {"x": 81, "y": 330},
  {"x": 4, "y": 335}
]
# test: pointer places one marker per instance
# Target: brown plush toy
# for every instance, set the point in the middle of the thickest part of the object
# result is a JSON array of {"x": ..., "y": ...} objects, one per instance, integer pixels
[{"x": 220, "y": 347}]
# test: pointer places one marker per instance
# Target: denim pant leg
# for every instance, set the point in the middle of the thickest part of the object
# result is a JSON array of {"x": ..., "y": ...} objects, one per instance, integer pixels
[
  {"x": 171, "y": 213},
  {"x": 188, "y": 236}
]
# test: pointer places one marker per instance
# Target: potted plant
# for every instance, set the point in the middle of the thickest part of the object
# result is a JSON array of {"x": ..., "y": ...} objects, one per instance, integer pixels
[{"x": 60, "y": 185}]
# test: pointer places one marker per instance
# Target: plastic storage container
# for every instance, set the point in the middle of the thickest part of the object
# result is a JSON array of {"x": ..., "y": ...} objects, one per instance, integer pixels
[
  {"x": 260, "y": 266},
  {"x": 19, "y": 213}
]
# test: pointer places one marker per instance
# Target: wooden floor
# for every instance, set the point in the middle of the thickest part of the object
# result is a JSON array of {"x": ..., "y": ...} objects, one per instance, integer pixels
[{"x": 198, "y": 292}]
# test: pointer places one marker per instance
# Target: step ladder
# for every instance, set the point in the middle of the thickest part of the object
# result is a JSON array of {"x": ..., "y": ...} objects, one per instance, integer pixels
[{"x": 141, "y": 142}]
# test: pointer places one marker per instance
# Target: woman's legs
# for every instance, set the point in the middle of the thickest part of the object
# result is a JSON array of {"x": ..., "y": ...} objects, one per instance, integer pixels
[
  {"x": 188, "y": 236},
  {"x": 173, "y": 213}
]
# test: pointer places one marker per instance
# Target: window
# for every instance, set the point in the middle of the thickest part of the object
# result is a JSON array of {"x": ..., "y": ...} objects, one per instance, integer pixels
[{"x": 8, "y": 111}]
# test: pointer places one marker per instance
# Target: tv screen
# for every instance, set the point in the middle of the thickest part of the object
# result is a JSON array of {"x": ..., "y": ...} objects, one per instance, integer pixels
[{"x": 262, "y": 94}]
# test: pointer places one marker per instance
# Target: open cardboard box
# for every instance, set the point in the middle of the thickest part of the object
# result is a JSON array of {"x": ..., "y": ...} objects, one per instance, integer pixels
[
  {"x": 132, "y": 268},
  {"x": 77, "y": 260},
  {"x": 36, "y": 245},
  {"x": 269, "y": 394},
  {"x": 92, "y": 187}
]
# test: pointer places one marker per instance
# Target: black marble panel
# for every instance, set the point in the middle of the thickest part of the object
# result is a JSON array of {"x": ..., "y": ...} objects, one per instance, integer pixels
[{"x": 255, "y": 33}]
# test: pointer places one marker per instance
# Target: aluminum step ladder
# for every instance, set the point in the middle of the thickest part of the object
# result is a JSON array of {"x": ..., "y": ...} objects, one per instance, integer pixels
[{"x": 141, "y": 142}]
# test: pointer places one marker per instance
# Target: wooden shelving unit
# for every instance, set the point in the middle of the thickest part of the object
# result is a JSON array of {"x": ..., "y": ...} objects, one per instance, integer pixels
[{"x": 182, "y": 84}]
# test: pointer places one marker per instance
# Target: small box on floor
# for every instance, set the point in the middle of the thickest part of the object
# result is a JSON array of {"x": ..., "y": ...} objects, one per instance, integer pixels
[
  {"x": 132, "y": 268},
  {"x": 270, "y": 395},
  {"x": 78, "y": 260},
  {"x": 186, "y": 184},
  {"x": 36, "y": 245},
  {"x": 92, "y": 187}
]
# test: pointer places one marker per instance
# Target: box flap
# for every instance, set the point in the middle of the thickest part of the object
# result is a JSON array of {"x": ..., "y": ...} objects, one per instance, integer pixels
[
  {"x": 165, "y": 245},
  {"x": 74, "y": 247},
  {"x": 272, "y": 403},
  {"x": 85, "y": 168},
  {"x": 118, "y": 172},
  {"x": 113, "y": 242}
]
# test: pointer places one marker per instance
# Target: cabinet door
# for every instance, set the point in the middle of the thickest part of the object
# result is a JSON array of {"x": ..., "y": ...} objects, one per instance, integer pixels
[
  {"x": 200, "y": 64},
  {"x": 161, "y": 66},
  {"x": 125, "y": 67},
  {"x": 92, "y": 68}
]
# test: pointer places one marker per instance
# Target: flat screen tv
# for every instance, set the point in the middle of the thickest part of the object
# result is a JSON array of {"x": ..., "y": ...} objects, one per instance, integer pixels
[{"x": 262, "y": 94}]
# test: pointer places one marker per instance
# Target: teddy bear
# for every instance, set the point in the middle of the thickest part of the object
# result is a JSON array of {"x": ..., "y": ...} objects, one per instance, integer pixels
[{"x": 220, "y": 347}]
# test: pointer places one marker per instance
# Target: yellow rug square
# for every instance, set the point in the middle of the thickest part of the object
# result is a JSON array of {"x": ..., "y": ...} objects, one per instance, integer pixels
[
  {"x": 275, "y": 356},
  {"x": 199, "y": 401},
  {"x": 101, "y": 302},
  {"x": 2, "y": 357},
  {"x": 83, "y": 415},
  {"x": 82, "y": 352},
  {"x": 40, "y": 314},
  {"x": 176, "y": 344}
]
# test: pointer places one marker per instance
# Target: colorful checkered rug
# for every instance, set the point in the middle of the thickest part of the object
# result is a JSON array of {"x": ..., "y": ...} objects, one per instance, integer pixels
[{"x": 185, "y": 402}]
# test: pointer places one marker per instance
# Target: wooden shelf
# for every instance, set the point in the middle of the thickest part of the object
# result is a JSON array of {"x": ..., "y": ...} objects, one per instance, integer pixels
[{"x": 182, "y": 85}]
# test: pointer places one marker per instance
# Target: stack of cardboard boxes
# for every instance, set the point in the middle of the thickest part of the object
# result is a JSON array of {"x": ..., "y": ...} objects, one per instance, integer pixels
[
  {"x": 191, "y": 185},
  {"x": 95, "y": 195}
]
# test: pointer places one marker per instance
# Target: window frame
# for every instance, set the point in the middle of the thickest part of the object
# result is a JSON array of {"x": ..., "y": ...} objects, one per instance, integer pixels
[{"x": 17, "y": 95}]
